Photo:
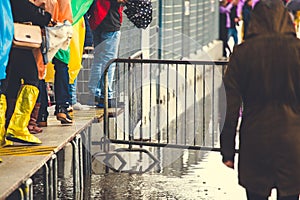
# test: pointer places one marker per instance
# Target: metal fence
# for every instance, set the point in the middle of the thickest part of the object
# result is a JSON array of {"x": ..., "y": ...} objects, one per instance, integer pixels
[
  {"x": 178, "y": 29},
  {"x": 168, "y": 103}
]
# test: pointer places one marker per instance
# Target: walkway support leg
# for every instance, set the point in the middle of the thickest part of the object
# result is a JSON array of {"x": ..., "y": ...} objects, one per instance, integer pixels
[{"x": 28, "y": 189}]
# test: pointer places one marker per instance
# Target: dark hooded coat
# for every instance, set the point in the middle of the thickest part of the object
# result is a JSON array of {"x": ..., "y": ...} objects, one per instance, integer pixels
[{"x": 264, "y": 74}]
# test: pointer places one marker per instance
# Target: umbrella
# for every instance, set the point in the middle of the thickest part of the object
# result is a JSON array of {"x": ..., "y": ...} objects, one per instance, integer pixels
[
  {"x": 293, "y": 5},
  {"x": 139, "y": 12}
]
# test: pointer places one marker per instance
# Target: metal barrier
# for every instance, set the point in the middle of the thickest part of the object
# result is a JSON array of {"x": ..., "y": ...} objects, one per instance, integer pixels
[{"x": 167, "y": 103}]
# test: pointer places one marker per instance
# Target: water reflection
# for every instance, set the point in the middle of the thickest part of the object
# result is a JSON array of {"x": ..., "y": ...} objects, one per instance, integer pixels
[
  {"x": 196, "y": 175},
  {"x": 185, "y": 179},
  {"x": 181, "y": 174}
]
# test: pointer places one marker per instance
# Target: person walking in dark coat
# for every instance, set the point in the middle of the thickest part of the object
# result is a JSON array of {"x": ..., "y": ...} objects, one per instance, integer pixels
[{"x": 263, "y": 73}]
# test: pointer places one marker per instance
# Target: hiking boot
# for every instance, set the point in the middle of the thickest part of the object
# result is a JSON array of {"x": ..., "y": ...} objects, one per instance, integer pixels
[
  {"x": 62, "y": 115},
  {"x": 43, "y": 121},
  {"x": 33, "y": 125}
]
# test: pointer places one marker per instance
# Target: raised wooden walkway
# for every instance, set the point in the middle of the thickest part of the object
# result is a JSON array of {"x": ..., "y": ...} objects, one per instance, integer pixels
[{"x": 21, "y": 162}]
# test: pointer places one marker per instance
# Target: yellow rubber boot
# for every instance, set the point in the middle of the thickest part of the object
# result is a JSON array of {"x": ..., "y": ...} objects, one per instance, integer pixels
[
  {"x": 17, "y": 130},
  {"x": 3, "y": 106}
]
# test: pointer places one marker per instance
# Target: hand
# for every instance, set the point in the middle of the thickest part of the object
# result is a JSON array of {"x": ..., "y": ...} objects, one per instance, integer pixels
[
  {"x": 52, "y": 23},
  {"x": 122, "y": 1},
  {"x": 47, "y": 5},
  {"x": 229, "y": 164},
  {"x": 39, "y": 3}
]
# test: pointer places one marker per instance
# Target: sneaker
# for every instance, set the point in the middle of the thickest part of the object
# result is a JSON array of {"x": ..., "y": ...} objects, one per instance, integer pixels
[
  {"x": 63, "y": 116},
  {"x": 79, "y": 106},
  {"x": 69, "y": 109}
]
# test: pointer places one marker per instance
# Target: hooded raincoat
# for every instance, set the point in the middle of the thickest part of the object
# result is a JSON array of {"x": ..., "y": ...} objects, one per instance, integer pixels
[
  {"x": 264, "y": 73},
  {"x": 6, "y": 35}
]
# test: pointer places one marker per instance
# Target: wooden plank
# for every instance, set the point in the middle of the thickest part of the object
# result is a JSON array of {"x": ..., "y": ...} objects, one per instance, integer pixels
[
  {"x": 56, "y": 134},
  {"x": 14, "y": 170}
]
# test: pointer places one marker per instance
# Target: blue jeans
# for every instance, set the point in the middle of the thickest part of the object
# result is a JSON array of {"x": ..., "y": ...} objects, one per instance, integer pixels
[
  {"x": 61, "y": 82},
  {"x": 233, "y": 32},
  {"x": 72, "y": 91},
  {"x": 106, "y": 48}
]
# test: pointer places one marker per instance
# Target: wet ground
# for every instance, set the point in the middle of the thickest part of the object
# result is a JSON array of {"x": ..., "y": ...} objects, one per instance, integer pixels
[
  {"x": 181, "y": 174},
  {"x": 204, "y": 179},
  {"x": 196, "y": 175}
]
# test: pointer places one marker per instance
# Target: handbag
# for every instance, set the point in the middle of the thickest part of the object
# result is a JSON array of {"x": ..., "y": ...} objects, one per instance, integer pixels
[
  {"x": 27, "y": 36},
  {"x": 55, "y": 38}
]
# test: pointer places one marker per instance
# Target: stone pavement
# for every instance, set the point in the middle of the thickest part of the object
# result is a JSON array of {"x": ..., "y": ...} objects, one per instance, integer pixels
[
  {"x": 200, "y": 175},
  {"x": 224, "y": 179}
]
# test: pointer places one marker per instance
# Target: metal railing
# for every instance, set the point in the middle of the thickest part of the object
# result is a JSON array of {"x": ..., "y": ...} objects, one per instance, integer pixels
[{"x": 167, "y": 103}]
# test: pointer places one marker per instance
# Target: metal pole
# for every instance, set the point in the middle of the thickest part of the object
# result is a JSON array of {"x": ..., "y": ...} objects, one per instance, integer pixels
[
  {"x": 46, "y": 181},
  {"x": 106, "y": 134},
  {"x": 80, "y": 155},
  {"x": 75, "y": 164},
  {"x": 213, "y": 106},
  {"x": 50, "y": 178},
  {"x": 203, "y": 106},
  {"x": 160, "y": 26},
  {"x": 28, "y": 189},
  {"x": 55, "y": 175},
  {"x": 195, "y": 102}
]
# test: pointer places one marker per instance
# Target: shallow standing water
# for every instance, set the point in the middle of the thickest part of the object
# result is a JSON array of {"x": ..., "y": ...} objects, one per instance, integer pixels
[
  {"x": 196, "y": 175},
  {"x": 181, "y": 174}
]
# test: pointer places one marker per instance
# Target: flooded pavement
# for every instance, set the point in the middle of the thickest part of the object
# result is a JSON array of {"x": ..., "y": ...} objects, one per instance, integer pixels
[
  {"x": 181, "y": 174},
  {"x": 203, "y": 179},
  {"x": 206, "y": 179},
  {"x": 197, "y": 175}
]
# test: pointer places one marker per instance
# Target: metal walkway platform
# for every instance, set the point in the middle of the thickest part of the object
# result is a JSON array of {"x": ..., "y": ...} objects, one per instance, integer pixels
[{"x": 21, "y": 162}]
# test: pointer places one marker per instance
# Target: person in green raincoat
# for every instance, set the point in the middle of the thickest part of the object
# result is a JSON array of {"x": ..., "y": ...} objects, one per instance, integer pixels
[{"x": 62, "y": 72}]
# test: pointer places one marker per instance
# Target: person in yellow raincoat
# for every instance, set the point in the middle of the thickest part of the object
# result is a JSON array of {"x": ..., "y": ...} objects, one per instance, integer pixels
[
  {"x": 76, "y": 52},
  {"x": 22, "y": 77}
]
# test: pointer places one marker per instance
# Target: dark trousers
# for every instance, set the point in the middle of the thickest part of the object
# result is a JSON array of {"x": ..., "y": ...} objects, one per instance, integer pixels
[
  {"x": 43, "y": 99},
  {"x": 61, "y": 83},
  {"x": 252, "y": 196},
  {"x": 21, "y": 66}
]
